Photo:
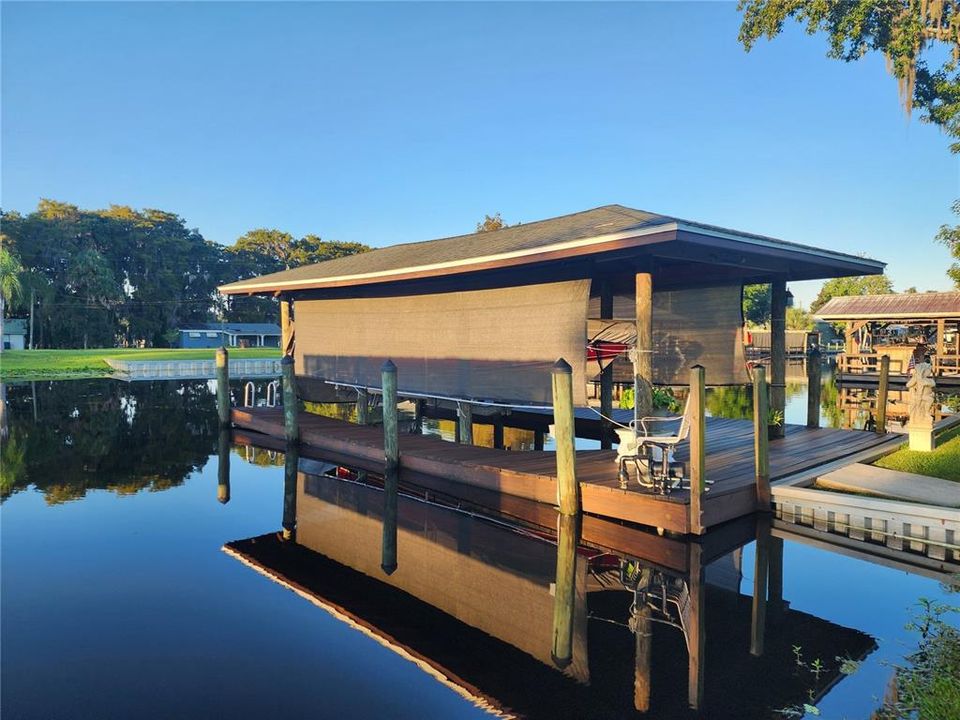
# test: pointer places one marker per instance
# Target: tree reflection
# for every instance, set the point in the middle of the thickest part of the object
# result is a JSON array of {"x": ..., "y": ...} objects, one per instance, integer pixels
[{"x": 102, "y": 434}]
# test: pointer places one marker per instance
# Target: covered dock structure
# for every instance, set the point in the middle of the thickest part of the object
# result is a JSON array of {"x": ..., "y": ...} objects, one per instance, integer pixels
[
  {"x": 478, "y": 321},
  {"x": 897, "y": 325}
]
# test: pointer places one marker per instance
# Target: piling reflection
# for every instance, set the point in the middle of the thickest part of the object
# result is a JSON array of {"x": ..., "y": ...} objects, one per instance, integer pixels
[
  {"x": 223, "y": 466},
  {"x": 545, "y": 615}
]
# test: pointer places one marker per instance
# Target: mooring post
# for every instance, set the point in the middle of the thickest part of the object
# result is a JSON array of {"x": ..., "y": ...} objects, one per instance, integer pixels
[
  {"x": 882, "y": 391},
  {"x": 363, "y": 406},
  {"x": 391, "y": 451},
  {"x": 761, "y": 569},
  {"x": 698, "y": 447},
  {"x": 291, "y": 404},
  {"x": 465, "y": 420},
  {"x": 291, "y": 465},
  {"x": 223, "y": 466},
  {"x": 568, "y": 492},
  {"x": 761, "y": 441},
  {"x": 564, "y": 596},
  {"x": 223, "y": 386},
  {"x": 813, "y": 387}
]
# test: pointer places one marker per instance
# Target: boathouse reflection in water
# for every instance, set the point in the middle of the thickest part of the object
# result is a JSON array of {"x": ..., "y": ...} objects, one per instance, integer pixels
[{"x": 479, "y": 602}]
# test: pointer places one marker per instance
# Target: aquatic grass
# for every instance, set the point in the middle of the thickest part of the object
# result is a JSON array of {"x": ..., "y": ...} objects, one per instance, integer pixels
[
  {"x": 943, "y": 462},
  {"x": 50, "y": 364}
]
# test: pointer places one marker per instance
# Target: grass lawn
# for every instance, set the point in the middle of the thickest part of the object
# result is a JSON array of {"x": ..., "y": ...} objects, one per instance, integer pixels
[
  {"x": 48, "y": 364},
  {"x": 943, "y": 462}
]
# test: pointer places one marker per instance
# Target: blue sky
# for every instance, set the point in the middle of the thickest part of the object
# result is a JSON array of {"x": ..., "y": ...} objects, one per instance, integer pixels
[{"x": 386, "y": 123}]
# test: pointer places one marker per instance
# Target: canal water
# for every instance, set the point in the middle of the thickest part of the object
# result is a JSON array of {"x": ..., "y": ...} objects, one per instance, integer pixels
[{"x": 130, "y": 590}]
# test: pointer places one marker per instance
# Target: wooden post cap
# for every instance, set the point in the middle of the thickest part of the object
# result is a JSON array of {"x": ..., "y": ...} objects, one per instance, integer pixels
[
  {"x": 562, "y": 366},
  {"x": 286, "y": 360},
  {"x": 388, "y": 367}
]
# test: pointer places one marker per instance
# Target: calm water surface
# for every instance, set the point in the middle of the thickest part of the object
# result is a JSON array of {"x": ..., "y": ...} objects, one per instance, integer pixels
[{"x": 128, "y": 590}]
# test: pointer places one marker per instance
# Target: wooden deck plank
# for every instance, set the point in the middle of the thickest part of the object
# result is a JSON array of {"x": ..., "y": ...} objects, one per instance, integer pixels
[{"x": 531, "y": 474}]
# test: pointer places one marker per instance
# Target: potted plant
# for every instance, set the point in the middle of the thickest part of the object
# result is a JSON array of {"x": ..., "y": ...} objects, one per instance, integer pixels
[{"x": 774, "y": 423}]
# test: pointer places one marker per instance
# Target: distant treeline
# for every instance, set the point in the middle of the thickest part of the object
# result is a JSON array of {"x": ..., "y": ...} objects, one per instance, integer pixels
[{"x": 101, "y": 278}]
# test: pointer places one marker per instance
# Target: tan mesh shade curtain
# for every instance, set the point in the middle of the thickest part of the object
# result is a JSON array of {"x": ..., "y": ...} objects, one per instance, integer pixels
[
  {"x": 699, "y": 326},
  {"x": 486, "y": 345}
]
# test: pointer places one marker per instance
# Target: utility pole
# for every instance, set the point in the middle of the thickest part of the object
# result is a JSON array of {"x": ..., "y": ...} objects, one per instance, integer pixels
[{"x": 30, "y": 347}]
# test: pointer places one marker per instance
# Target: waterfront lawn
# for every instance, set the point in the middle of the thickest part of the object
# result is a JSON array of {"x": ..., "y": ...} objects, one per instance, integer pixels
[
  {"x": 943, "y": 462},
  {"x": 48, "y": 364}
]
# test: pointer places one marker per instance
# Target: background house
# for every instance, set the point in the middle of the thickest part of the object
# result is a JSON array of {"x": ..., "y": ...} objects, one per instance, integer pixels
[
  {"x": 208, "y": 335},
  {"x": 14, "y": 334}
]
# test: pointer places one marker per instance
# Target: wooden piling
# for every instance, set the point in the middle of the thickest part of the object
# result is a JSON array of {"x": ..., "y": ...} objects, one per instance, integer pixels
[
  {"x": 698, "y": 447},
  {"x": 223, "y": 467},
  {"x": 775, "y": 574},
  {"x": 222, "y": 363},
  {"x": 391, "y": 451},
  {"x": 761, "y": 438},
  {"x": 568, "y": 492},
  {"x": 465, "y": 420},
  {"x": 813, "y": 387},
  {"x": 643, "y": 380},
  {"x": 778, "y": 350},
  {"x": 419, "y": 411},
  {"x": 498, "y": 431},
  {"x": 761, "y": 568},
  {"x": 606, "y": 375},
  {"x": 882, "y": 392},
  {"x": 564, "y": 597},
  {"x": 291, "y": 466},
  {"x": 291, "y": 404}
]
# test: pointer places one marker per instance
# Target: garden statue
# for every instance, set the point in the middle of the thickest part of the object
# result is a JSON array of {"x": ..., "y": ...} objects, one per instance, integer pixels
[{"x": 920, "y": 387}]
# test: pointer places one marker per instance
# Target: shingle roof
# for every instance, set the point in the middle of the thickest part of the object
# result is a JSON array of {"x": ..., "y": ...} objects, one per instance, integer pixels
[
  {"x": 518, "y": 239},
  {"x": 892, "y": 306},
  {"x": 235, "y": 328},
  {"x": 15, "y": 326}
]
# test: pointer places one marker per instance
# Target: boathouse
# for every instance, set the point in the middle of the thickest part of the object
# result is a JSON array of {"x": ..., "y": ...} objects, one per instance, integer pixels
[
  {"x": 900, "y": 326},
  {"x": 479, "y": 321}
]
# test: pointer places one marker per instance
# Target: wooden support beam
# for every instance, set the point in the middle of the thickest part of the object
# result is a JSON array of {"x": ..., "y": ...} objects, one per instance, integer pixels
[
  {"x": 291, "y": 467},
  {"x": 538, "y": 439},
  {"x": 696, "y": 632},
  {"x": 568, "y": 491},
  {"x": 223, "y": 466},
  {"x": 498, "y": 431},
  {"x": 391, "y": 473},
  {"x": 363, "y": 407},
  {"x": 222, "y": 363},
  {"x": 465, "y": 423},
  {"x": 286, "y": 326},
  {"x": 883, "y": 385},
  {"x": 813, "y": 387},
  {"x": 291, "y": 403},
  {"x": 606, "y": 375},
  {"x": 761, "y": 455},
  {"x": 761, "y": 567},
  {"x": 564, "y": 595},
  {"x": 778, "y": 349},
  {"x": 643, "y": 380},
  {"x": 698, "y": 447}
]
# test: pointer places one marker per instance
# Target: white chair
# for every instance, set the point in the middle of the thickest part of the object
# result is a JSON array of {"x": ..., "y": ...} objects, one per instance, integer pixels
[{"x": 647, "y": 449}]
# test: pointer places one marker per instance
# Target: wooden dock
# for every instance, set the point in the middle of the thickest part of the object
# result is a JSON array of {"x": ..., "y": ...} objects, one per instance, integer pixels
[{"x": 532, "y": 474}]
